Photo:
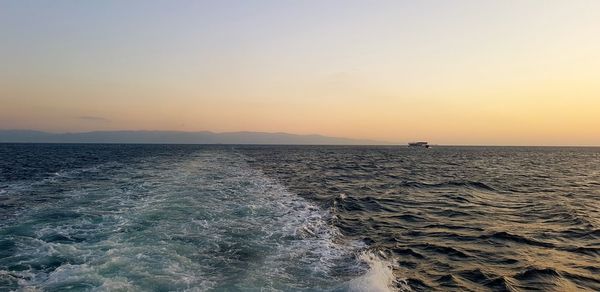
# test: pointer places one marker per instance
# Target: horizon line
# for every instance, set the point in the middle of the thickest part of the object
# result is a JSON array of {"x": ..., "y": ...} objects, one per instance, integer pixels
[
  {"x": 376, "y": 142},
  {"x": 337, "y": 145}
]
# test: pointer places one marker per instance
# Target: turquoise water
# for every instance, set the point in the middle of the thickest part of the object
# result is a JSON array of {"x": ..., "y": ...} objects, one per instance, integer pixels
[
  {"x": 298, "y": 218},
  {"x": 201, "y": 221}
]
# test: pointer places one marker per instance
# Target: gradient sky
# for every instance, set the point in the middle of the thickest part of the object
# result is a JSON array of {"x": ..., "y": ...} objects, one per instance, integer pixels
[{"x": 450, "y": 72}]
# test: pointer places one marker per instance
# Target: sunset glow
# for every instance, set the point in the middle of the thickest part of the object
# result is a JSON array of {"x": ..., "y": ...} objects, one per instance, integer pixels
[{"x": 450, "y": 72}]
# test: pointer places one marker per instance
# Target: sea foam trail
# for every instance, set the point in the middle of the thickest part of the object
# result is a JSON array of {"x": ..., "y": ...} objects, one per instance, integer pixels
[
  {"x": 208, "y": 221},
  {"x": 379, "y": 276}
]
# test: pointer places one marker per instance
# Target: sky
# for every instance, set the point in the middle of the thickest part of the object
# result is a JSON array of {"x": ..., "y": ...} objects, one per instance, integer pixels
[{"x": 450, "y": 72}]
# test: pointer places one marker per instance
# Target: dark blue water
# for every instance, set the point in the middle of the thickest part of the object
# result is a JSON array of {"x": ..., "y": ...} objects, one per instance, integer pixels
[{"x": 298, "y": 218}]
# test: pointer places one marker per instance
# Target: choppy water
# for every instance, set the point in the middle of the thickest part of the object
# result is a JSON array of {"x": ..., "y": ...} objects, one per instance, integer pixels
[{"x": 298, "y": 218}]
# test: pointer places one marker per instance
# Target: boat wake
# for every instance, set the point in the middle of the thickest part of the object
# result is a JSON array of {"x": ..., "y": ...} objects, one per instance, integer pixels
[{"x": 207, "y": 222}]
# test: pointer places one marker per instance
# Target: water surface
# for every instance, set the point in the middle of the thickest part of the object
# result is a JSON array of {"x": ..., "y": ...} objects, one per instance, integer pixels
[{"x": 298, "y": 218}]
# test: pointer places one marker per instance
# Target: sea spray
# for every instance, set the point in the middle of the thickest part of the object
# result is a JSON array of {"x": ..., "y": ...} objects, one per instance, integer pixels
[{"x": 379, "y": 276}]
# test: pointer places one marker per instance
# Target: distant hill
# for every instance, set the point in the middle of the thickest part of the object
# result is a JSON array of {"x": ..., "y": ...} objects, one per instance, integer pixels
[{"x": 176, "y": 137}]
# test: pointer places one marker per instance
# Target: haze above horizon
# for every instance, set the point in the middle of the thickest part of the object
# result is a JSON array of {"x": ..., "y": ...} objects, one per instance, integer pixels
[{"x": 460, "y": 72}]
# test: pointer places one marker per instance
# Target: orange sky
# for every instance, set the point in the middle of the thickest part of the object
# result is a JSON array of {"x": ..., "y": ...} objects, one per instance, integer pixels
[{"x": 464, "y": 72}]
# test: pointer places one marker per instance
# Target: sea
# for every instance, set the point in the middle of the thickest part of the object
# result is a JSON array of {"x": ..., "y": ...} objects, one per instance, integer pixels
[{"x": 122, "y": 217}]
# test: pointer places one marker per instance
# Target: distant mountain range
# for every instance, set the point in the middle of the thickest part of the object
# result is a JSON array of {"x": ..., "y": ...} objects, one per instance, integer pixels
[{"x": 176, "y": 137}]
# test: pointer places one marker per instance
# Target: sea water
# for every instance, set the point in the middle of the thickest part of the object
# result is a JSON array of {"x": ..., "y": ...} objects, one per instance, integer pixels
[{"x": 298, "y": 218}]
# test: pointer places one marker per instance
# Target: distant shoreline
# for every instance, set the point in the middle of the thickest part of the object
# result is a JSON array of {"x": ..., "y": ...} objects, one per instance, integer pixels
[
  {"x": 179, "y": 137},
  {"x": 316, "y": 145},
  {"x": 209, "y": 138}
]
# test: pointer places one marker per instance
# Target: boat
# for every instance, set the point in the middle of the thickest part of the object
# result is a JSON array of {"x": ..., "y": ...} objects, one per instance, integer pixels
[{"x": 419, "y": 144}]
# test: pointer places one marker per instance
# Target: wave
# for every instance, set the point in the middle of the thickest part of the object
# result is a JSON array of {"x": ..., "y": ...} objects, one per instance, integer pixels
[
  {"x": 408, "y": 252},
  {"x": 209, "y": 222},
  {"x": 591, "y": 251},
  {"x": 450, "y": 281},
  {"x": 445, "y": 250},
  {"x": 211, "y": 219},
  {"x": 379, "y": 277},
  {"x": 363, "y": 204},
  {"x": 409, "y": 218},
  {"x": 457, "y": 183},
  {"x": 501, "y": 211},
  {"x": 17, "y": 196},
  {"x": 454, "y": 227},
  {"x": 501, "y": 283},
  {"x": 503, "y": 235},
  {"x": 532, "y": 273}
]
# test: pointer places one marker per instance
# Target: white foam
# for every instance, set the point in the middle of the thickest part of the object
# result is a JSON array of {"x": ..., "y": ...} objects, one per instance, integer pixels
[
  {"x": 379, "y": 277},
  {"x": 195, "y": 214}
]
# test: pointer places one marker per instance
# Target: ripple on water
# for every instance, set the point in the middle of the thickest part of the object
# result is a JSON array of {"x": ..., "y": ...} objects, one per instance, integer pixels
[
  {"x": 148, "y": 217},
  {"x": 489, "y": 213},
  {"x": 207, "y": 222}
]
